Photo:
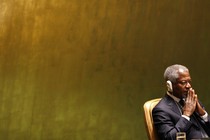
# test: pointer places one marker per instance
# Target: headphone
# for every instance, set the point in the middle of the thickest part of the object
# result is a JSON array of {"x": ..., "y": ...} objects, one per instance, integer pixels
[{"x": 169, "y": 86}]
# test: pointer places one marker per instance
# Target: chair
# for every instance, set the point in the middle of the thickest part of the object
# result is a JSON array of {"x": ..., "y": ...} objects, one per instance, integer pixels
[{"x": 148, "y": 107}]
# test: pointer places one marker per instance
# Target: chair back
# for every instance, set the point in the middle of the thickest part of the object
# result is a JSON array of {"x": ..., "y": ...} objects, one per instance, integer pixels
[{"x": 148, "y": 107}]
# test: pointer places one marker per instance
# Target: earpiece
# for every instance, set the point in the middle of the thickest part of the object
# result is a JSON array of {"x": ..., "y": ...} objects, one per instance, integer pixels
[{"x": 169, "y": 86}]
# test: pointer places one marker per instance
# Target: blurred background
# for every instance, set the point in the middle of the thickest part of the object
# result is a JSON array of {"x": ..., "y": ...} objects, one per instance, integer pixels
[{"x": 82, "y": 70}]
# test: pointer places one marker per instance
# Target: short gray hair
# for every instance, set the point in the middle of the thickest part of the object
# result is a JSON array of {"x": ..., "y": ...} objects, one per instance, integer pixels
[{"x": 172, "y": 72}]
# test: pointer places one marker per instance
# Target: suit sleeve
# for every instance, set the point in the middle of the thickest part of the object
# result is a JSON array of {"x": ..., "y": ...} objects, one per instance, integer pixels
[
  {"x": 168, "y": 124},
  {"x": 206, "y": 125}
]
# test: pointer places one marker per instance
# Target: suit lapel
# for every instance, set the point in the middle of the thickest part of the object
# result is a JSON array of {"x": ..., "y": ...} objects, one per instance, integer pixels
[{"x": 173, "y": 105}]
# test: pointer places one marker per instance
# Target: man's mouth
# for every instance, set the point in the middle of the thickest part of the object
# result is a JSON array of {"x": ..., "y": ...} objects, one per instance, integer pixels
[{"x": 185, "y": 94}]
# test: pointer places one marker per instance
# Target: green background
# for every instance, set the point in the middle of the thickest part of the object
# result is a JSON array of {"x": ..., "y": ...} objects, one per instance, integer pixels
[{"x": 82, "y": 69}]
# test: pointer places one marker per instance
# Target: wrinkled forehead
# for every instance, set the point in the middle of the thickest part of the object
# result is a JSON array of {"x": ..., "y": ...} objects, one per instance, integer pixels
[{"x": 183, "y": 74}]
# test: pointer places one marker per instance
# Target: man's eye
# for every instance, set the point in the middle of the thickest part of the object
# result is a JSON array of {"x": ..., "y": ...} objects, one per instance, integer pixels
[{"x": 184, "y": 82}]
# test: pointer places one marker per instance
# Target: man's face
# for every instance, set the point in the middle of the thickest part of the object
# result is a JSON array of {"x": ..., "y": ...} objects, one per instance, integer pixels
[{"x": 182, "y": 85}]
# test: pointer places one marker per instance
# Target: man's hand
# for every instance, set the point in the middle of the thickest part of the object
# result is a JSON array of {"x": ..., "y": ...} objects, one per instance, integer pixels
[
  {"x": 199, "y": 109},
  {"x": 191, "y": 103}
]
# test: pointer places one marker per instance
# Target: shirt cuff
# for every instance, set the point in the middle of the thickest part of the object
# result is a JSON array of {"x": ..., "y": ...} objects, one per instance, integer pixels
[
  {"x": 186, "y": 117},
  {"x": 205, "y": 117}
]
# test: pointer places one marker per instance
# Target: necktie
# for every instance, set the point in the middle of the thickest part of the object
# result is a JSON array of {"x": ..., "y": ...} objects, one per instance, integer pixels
[{"x": 182, "y": 102}]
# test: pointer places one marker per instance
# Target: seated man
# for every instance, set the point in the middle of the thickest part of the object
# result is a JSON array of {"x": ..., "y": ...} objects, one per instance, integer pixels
[{"x": 180, "y": 110}]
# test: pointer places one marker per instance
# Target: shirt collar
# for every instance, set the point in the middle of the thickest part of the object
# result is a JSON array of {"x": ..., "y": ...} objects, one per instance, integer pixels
[{"x": 173, "y": 97}]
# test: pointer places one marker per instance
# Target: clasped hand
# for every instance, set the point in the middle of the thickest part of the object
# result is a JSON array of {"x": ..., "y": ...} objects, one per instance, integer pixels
[{"x": 192, "y": 104}]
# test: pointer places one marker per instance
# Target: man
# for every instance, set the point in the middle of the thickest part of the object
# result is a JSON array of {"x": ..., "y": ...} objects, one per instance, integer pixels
[{"x": 180, "y": 110}]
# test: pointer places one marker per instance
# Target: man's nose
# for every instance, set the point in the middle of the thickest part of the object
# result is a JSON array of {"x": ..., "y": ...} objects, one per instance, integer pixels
[{"x": 188, "y": 85}]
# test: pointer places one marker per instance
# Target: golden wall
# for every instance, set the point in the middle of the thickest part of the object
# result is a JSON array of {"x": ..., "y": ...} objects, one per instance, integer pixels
[{"x": 81, "y": 70}]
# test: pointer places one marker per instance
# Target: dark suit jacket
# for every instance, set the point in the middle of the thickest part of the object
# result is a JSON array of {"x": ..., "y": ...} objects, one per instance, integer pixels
[{"x": 168, "y": 121}]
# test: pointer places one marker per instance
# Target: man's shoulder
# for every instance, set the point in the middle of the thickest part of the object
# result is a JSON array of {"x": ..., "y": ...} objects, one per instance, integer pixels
[{"x": 164, "y": 102}]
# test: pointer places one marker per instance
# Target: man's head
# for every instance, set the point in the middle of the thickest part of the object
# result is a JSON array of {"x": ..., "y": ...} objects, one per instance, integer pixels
[{"x": 178, "y": 80}]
